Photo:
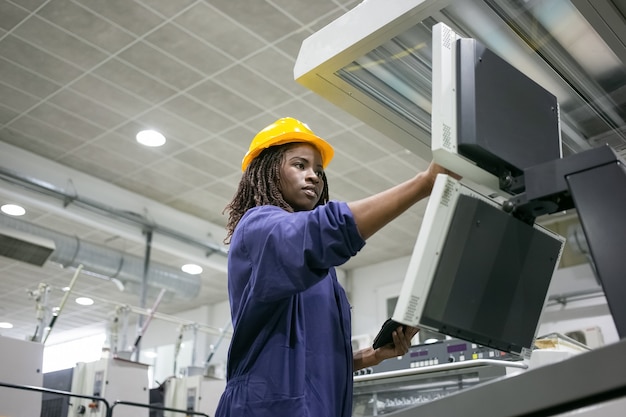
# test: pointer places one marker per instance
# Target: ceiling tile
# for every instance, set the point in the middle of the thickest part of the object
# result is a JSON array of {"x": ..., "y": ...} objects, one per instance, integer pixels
[
  {"x": 306, "y": 11},
  {"x": 134, "y": 81},
  {"x": 259, "y": 17},
  {"x": 44, "y": 147},
  {"x": 17, "y": 77},
  {"x": 379, "y": 139},
  {"x": 219, "y": 30},
  {"x": 360, "y": 149},
  {"x": 188, "y": 49},
  {"x": 158, "y": 65},
  {"x": 65, "y": 121},
  {"x": 218, "y": 168},
  {"x": 239, "y": 137},
  {"x": 173, "y": 126},
  {"x": 116, "y": 163},
  {"x": 129, "y": 15},
  {"x": 222, "y": 190},
  {"x": 203, "y": 204},
  {"x": 202, "y": 116},
  {"x": 167, "y": 8},
  {"x": 128, "y": 146},
  {"x": 87, "y": 109},
  {"x": 195, "y": 158},
  {"x": 291, "y": 44},
  {"x": 343, "y": 189},
  {"x": 276, "y": 67},
  {"x": 37, "y": 61},
  {"x": 412, "y": 160},
  {"x": 6, "y": 115},
  {"x": 182, "y": 172},
  {"x": 365, "y": 177},
  {"x": 214, "y": 95},
  {"x": 31, "y": 5},
  {"x": 130, "y": 130},
  {"x": 15, "y": 99},
  {"x": 59, "y": 43},
  {"x": 11, "y": 15},
  {"x": 97, "y": 170},
  {"x": 252, "y": 87},
  {"x": 110, "y": 95},
  {"x": 159, "y": 185},
  {"x": 392, "y": 167},
  {"x": 86, "y": 25},
  {"x": 223, "y": 150},
  {"x": 41, "y": 131}
]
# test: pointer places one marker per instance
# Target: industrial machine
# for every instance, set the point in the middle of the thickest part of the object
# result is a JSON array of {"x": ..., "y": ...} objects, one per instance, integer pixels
[
  {"x": 427, "y": 372},
  {"x": 193, "y": 393},
  {"x": 113, "y": 379},
  {"x": 487, "y": 121},
  {"x": 21, "y": 365},
  {"x": 54, "y": 405}
]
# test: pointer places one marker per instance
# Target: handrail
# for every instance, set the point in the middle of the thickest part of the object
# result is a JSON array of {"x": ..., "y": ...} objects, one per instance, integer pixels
[
  {"x": 154, "y": 407},
  {"x": 108, "y": 408},
  {"x": 59, "y": 392}
]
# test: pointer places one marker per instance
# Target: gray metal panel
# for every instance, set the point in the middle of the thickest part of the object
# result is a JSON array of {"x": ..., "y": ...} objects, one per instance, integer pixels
[{"x": 586, "y": 379}]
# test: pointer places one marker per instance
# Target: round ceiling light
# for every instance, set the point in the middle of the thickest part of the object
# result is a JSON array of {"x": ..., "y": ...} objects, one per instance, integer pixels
[
  {"x": 192, "y": 269},
  {"x": 150, "y": 138},
  {"x": 84, "y": 301},
  {"x": 13, "y": 210}
]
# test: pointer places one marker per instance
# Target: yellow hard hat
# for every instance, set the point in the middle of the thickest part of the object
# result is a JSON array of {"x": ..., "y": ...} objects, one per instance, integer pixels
[{"x": 286, "y": 130}]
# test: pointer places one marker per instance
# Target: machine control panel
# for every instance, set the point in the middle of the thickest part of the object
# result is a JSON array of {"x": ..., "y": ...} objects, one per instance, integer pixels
[{"x": 439, "y": 352}]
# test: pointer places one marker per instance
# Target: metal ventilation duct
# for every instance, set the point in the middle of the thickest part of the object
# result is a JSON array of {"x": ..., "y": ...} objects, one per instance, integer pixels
[
  {"x": 24, "y": 247},
  {"x": 100, "y": 260}
]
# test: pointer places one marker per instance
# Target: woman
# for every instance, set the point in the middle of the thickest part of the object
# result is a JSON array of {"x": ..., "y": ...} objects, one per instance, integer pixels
[{"x": 291, "y": 352}]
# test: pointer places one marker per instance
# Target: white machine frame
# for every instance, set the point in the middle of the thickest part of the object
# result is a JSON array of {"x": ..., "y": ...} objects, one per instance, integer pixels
[{"x": 374, "y": 22}]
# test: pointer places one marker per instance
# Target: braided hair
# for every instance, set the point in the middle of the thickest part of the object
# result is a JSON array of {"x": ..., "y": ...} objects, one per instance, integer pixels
[{"x": 260, "y": 186}]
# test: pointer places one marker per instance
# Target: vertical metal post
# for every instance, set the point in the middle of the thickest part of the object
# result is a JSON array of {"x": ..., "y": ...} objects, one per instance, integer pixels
[{"x": 144, "y": 289}]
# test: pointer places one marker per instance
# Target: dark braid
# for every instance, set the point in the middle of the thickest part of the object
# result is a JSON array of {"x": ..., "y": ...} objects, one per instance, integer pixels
[{"x": 260, "y": 186}]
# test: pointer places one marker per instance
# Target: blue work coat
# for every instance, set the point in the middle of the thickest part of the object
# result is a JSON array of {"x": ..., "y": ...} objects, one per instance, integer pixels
[{"x": 290, "y": 354}]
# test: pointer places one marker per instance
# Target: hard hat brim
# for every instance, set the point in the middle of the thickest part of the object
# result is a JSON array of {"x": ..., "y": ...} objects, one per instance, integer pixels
[{"x": 325, "y": 149}]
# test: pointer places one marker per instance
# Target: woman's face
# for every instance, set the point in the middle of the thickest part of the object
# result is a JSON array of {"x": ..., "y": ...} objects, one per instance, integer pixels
[{"x": 301, "y": 180}]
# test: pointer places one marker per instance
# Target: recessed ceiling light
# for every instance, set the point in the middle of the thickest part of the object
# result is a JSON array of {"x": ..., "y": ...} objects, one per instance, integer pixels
[
  {"x": 5, "y": 325},
  {"x": 84, "y": 301},
  {"x": 192, "y": 269},
  {"x": 13, "y": 210},
  {"x": 150, "y": 138}
]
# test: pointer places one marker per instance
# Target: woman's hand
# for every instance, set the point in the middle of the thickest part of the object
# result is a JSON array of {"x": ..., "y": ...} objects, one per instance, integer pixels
[{"x": 401, "y": 343}]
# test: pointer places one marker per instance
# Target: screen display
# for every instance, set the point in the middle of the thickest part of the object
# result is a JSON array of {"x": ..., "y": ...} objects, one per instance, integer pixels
[{"x": 492, "y": 278}]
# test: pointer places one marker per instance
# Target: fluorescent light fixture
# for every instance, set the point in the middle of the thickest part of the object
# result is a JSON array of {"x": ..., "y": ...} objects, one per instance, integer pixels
[
  {"x": 192, "y": 269},
  {"x": 13, "y": 210},
  {"x": 84, "y": 301},
  {"x": 5, "y": 325},
  {"x": 150, "y": 138}
]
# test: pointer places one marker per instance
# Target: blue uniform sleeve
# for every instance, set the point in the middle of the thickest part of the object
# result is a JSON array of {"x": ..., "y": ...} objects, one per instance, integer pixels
[{"x": 290, "y": 252}]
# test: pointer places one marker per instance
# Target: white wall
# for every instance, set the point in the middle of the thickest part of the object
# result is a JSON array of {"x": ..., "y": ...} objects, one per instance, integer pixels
[{"x": 369, "y": 287}]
